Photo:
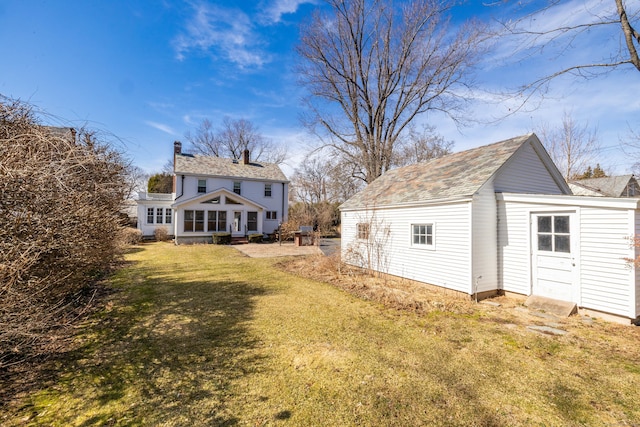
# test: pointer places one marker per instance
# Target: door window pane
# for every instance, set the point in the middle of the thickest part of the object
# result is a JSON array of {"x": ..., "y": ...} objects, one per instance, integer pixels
[
  {"x": 562, "y": 244},
  {"x": 544, "y": 242},
  {"x": 560, "y": 224},
  {"x": 554, "y": 233},
  {"x": 544, "y": 224}
]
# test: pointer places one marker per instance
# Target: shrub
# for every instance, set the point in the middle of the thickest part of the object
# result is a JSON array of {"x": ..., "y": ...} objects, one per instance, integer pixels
[
  {"x": 161, "y": 234},
  {"x": 61, "y": 192},
  {"x": 222, "y": 238},
  {"x": 256, "y": 238},
  {"x": 129, "y": 236}
]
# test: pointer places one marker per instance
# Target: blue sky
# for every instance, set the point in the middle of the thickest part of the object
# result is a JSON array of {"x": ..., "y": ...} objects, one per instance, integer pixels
[{"x": 149, "y": 71}]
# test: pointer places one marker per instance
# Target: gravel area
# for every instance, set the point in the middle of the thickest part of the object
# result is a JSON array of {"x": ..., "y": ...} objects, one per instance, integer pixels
[{"x": 269, "y": 250}]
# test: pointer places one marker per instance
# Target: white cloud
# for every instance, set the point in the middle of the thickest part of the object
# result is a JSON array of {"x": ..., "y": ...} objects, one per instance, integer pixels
[
  {"x": 273, "y": 11},
  {"x": 161, "y": 127},
  {"x": 223, "y": 32}
]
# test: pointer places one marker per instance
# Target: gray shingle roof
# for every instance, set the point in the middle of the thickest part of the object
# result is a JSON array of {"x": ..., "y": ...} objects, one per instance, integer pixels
[
  {"x": 221, "y": 167},
  {"x": 455, "y": 175},
  {"x": 612, "y": 186}
]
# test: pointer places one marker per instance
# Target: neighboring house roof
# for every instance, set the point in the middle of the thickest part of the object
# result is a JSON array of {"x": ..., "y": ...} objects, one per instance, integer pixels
[
  {"x": 452, "y": 176},
  {"x": 228, "y": 168},
  {"x": 610, "y": 186}
]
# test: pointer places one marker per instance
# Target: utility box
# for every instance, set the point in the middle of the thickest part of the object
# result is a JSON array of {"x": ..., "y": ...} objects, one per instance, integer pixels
[{"x": 304, "y": 236}]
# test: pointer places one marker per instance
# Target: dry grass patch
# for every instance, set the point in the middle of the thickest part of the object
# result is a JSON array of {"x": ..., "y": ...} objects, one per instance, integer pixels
[{"x": 200, "y": 335}]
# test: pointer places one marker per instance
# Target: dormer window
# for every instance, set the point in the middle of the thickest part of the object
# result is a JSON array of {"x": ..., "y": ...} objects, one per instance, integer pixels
[{"x": 202, "y": 186}]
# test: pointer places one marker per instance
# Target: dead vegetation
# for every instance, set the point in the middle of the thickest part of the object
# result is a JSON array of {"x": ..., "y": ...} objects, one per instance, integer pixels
[
  {"x": 391, "y": 291},
  {"x": 61, "y": 191}
]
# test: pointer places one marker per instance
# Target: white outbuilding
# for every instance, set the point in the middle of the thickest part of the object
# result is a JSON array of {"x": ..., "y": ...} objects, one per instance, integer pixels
[{"x": 497, "y": 219}]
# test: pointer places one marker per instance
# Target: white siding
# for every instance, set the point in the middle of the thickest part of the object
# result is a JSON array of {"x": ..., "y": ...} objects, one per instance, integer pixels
[
  {"x": 525, "y": 173},
  {"x": 606, "y": 281},
  {"x": 447, "y": 264},
  {"x": 606, "y": 278},
  {"x": 514, "y": 261},
  {"x": 250, "y": 189},
  {"x": 484, "y": 241},
  {"x": 148, "y": 228},
  {"x": 636, "y": 253}
]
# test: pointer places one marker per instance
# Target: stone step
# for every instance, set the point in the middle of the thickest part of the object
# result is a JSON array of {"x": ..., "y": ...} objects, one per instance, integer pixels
[{"x": 553, "y": 306}]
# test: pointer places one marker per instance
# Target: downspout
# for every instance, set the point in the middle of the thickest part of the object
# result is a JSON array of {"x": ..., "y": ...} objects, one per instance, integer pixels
[
  {"x": 175, "y": 225},
  {"x": 283, "y": 196},
  {"x": 181, "y": 188}
]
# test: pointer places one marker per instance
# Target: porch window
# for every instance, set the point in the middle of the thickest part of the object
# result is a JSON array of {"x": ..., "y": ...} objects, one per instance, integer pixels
[
  {"x": 149, "y": 215},
  {"x": 267, "y": 190},
  {"x": 216, "y": 221},
  {"x": 167, "y": 215},
  {"x": 272, "y": 214},
  {"x": 362, "y": 231},
  {"x": 159, "y": 215},
  {"x": 553, "y": 233},
  {"x": 193, "y": 220},
  {"x": 252, "y": 221},
  {"x": 422, "y": 235},
  {"x": 199, "y": 222},
  {"x": 188, "y": 220},
  {"x": 202, "y": 186},
  {"x": 237, "y": 187}
]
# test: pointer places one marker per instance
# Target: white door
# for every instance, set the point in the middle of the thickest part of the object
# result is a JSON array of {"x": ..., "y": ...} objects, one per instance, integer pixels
[
  {"x": 237, "y": 222},
  {"x": 553, "y": 241}
]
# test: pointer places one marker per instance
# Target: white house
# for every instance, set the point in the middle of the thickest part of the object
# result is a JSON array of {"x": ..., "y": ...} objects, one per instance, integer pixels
[
  {"x": 213, "y": 195},
  {"x": 496, "y": 219}
]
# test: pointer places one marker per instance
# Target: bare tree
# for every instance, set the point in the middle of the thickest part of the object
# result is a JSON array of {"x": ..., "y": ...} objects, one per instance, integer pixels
[
  {"x": 536, "y": 31},
  {"x": 232, "y": 138},
  {"x": 372, "y": 66},
  {"x": 323, "y": 179},
  {"x": 421, "y": 147},
  {"x": 572, "y": 147},
  {"x": 204, "y": 140}
]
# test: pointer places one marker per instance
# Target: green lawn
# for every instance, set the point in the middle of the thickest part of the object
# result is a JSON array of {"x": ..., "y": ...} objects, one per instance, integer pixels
[{"x": 200, "y": 335}]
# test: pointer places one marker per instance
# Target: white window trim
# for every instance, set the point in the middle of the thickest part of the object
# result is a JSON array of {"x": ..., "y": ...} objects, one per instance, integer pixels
[
  {"x": 367, "y": 232},
  {"x": 239, "y": 192},
  {"x": 271, "y": 219},
  {"x": 432, "y": 246},
  {"x": 198, "y": 185}
]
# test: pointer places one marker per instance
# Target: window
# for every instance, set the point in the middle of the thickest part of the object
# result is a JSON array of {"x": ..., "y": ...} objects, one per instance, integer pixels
[
  {"x": 188, "y": 220},
  {"x": 252, "y": 221},
  {"x": 199, "y": 222},
  {"x": 272, "y": 214},
  {"x": 267, "y": 190},
  {"x": 202, "y": 186},
  {"x": 159, "y": 216},
  {"x": 216, "y": 221},
  {"x": 553, "y": 233},
  {"x": 167, "y": 216},
  {"x": 149, "y": 215},
  {"x": 236, "y": 187},
  {"x": 422, "y": 235},
  {"x": 193, "y": 220},
  {"x": 362, "y": 231}
]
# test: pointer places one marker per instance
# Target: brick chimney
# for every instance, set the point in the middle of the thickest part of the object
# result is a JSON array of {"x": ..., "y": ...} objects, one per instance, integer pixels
[
  {"x": 245, "y": 157},
  {"x": 177, "y": 147}
]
